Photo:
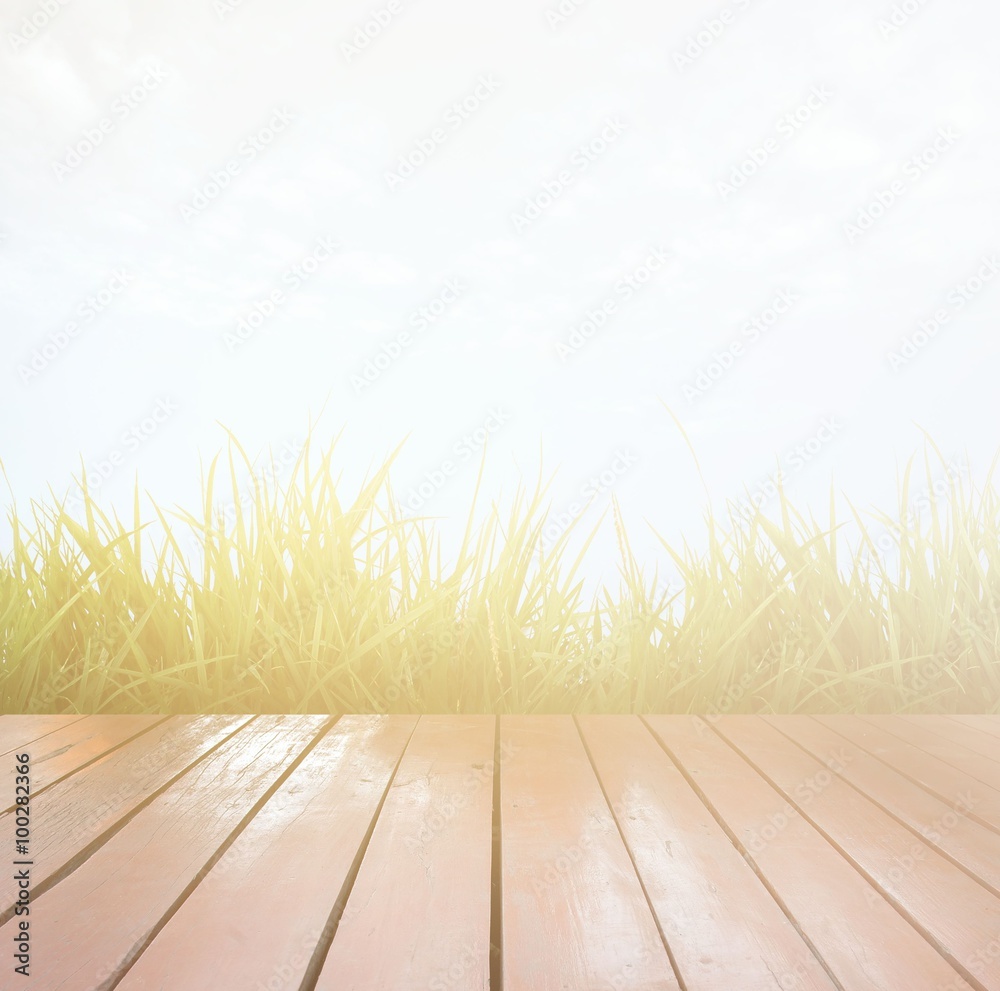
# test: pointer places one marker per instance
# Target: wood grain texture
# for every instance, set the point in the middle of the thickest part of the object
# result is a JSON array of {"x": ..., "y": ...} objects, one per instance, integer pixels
[
  {"x": 70, "y": 747},
  {"x": 944, "y": 826},
  {"x": 19, "y": 733},
  {"x": 723, "y": 926},
  {"x": 429, "y": 926},
  {"x": 985, "y": 724},
  {"x": 932, "y": 773},
  {"x": 259, "y": 914},
  {"x": 137, "y": 879},
  {"x": 80, "y": 811},
  {"x": 958, "y": 915},
  {"x": 967, "y": 737},
  {"x": 671, "y": 852},
  {"x": 865, "y": 943},
  {"x": 574, "y": 915},
  {"x": 984, "y": 769}
]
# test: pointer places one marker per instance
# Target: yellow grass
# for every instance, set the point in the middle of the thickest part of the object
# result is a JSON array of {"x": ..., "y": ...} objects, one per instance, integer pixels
[{"x": 305, "y": 603}]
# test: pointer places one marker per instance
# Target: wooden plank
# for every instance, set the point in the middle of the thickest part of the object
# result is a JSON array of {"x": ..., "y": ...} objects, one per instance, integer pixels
[
  {"x": 931, "y": 773},
  {"x": 724, "y": 928},
  {"x": 985, "y": 724},
  {"x": 967, "y": 737},
  {"x": 946, "y": 827},
  {"x": 72, "y": 818},
  {"x": 20, "y": 732},
  {"x": 986, "y": 770},
  {"x": 66, "y": 750},
  {"x": 573, "y": 912},
  {"x": 958, "y": 915},
  {"x": 91, "y": 926},
  {"x": 865, "y": 943},
  {"x": 430, "y": 926},
  {"x": 259, "y": 914}
]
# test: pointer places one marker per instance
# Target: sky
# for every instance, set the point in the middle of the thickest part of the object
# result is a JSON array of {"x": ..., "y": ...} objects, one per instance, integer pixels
[{"x": 565, "y": 230}]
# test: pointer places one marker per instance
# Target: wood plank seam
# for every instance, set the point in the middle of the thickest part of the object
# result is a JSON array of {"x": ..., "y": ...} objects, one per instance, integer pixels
[
  {"x": 310, "y": 977},
  {"x": 743, "y": 850},
  {"x": 992, "y": 730},
  {"x": 70, "y": 720},
  {"x": 910, "y": 815},
  {"x": 725, "y": 928},
  {"x": 288, "y": 864},
  {"x": 574, "y": 912},
  {"x": 418, "y": 915},
  {"x": 76, "y": 770},
  {"x": 952, "y": 747},
  {"x": 91, "y": 848},
  {"x": 964, "y": 736},
  {"x": 893, "y": 901},
  {"x": 874, "y": 799},
  {"x": 962, "y": 719},
  {"x": 906, "y": 745},
  {"x": 496, "y": 872},
  {"x": 642, "y": 884},
  {"x": 138, "y": 950}
]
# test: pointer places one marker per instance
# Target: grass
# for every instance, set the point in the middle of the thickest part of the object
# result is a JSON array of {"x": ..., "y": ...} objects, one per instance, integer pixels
[{"x": 302, "y": 603}]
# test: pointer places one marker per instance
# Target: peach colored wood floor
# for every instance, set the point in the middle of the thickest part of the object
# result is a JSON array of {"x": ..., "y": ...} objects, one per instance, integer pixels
[{"x": 525, "y": 853}]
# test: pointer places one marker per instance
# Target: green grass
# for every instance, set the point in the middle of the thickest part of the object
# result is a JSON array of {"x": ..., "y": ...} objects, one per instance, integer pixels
[{"x": 307, "y": 603}]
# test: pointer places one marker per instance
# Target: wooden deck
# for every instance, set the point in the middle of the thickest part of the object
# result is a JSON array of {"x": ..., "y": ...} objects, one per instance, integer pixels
[{"x": 529, "y": 853}]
